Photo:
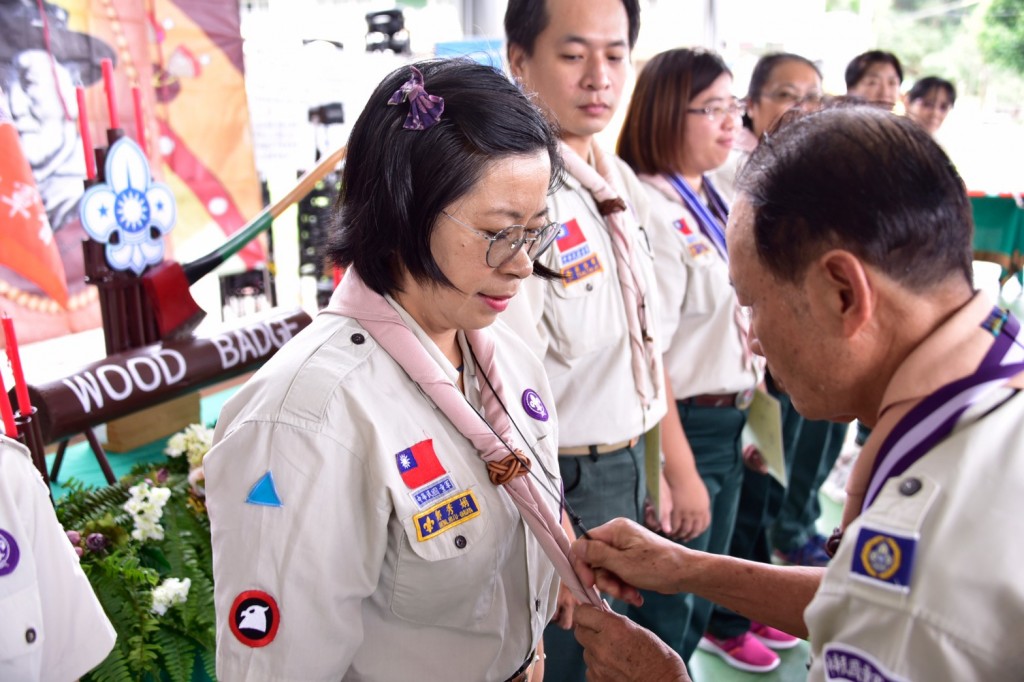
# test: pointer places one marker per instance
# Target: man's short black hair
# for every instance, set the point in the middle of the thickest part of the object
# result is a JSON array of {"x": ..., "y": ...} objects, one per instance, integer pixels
[
  {"x": 396, "y": 182},
  {"x": 527, "y": 19},
  {"x": 860, "y": 64},
  {"x": 864, "y": 180}
]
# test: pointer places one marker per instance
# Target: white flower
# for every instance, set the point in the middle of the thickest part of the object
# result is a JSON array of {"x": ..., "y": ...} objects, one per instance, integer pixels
[
  {"x": 193, "y": 442},
  {"x": 170, "y": 592},
  {"x": 146, "y": 507}
]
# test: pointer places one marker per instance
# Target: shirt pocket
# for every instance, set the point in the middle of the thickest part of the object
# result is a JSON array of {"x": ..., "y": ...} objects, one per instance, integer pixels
[
  {"x": 586, "y": 315},
  {"x": 446, "y": 569},
  {"x": 21, "y": 635}
]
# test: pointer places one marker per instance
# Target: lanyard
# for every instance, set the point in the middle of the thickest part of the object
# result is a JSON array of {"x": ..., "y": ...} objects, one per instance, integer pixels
[
  {"x": 935, "y": 416},
  {"x": 710, "y": 224}
]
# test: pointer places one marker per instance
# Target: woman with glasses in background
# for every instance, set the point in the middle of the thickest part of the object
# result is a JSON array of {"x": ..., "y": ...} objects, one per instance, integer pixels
[
  {"x": 681, "y": 124},
  {"x": 358, "y": 532},
  {"x": 929, "y": 102}
]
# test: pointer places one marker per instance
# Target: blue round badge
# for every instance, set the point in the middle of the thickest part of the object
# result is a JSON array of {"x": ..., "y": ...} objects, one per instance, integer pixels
[
  {"x": 534, "y": 406},
  {"x": 9, "y": 553}
]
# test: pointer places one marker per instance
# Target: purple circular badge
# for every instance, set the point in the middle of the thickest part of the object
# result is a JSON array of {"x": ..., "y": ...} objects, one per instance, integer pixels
[
  {"x": 534, "y": 406},
  {"x": 9, "y": 553}
]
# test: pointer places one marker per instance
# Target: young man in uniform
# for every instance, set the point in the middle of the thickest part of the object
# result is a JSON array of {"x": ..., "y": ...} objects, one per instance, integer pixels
[
  {"x": 595, "y": 328},
  {"x": 863, "y": 305}
]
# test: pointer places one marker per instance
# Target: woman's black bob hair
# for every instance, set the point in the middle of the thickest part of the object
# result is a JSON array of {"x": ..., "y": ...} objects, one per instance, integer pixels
[{"x": 396, "y": 181}]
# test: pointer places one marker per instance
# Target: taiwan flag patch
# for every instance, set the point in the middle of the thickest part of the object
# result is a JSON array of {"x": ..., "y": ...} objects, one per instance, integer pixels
[
  {"x": 418, "y": 464},
  {"x": 569, "y": 236}
]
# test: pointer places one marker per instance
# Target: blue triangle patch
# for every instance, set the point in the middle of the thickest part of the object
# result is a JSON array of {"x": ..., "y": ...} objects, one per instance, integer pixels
[{"x": 264, "y": 492}]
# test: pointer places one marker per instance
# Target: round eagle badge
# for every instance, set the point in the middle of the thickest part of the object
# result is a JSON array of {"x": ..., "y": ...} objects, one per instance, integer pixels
[
  {"x": 255, "y": 618},
  {"x": 9, "y": 553},
  {"x": 534, "y": 406}
]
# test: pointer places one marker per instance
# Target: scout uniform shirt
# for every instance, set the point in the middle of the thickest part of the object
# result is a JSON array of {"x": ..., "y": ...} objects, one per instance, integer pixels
[
  {"x": 705, "y": 349},
  {"x": 578, "y": 325},
  {"x": 52, "y": 627},
  {"x": 356, "y": 535},
  {"x": 926, "y": 583}
]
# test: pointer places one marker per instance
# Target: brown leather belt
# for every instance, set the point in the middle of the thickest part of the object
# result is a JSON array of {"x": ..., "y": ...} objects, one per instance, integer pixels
[
  {"x": 523, "y": 674},
  {"x": 740, "y": 400},
  {"x": 594, "y": 450}
]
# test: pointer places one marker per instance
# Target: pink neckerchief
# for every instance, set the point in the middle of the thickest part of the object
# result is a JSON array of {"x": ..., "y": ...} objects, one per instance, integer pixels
[
  {"x": 634, "y": 290},
  {"x": 354, "y": 299}
]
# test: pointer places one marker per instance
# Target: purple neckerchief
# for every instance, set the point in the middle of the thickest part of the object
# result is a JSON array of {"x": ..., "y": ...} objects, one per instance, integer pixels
[
  {"x": 936, "y": 415},
  {"x": 711, "y": 222}
]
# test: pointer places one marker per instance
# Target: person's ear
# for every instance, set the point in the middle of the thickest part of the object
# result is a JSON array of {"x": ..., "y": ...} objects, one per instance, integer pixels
[
  {"x": 840, "y": 286},
  {"x": 517, "y": 58}
]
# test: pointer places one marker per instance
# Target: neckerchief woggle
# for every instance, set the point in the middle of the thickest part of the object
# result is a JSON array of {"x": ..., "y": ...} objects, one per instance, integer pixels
[
  {"x": 935, "y": 417},
  {"x": 709, "y": 224}
]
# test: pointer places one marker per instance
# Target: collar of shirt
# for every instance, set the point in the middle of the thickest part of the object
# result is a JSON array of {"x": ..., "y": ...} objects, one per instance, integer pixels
[
  {"x": 449, "y": 369},
  {"x": 952, "y": 351}
]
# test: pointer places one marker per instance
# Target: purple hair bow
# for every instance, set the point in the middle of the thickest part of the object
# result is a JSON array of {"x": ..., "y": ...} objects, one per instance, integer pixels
[{"x": 424, "y": 109}]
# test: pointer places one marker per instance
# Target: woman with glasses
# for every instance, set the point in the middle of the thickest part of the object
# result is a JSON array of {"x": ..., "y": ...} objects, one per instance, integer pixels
[
  {"x": 781, "y": 81},
  {"x": 929, "y": 102},
  {"x": 680, "y": 126},
  {"x": 361, "y": 486}
]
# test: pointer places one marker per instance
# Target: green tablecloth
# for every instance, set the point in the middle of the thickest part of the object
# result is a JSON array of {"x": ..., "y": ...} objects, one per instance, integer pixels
[{"x": 998, "y": 231}]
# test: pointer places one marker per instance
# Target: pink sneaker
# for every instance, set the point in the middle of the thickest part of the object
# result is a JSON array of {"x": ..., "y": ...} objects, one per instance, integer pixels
[
  {"x": 772, "y": 638},
  {"x": 743, "y": 653}
]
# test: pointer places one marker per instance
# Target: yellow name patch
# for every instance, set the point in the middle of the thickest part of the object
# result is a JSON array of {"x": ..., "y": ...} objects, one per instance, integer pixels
[{"x": 446, "y": 515}]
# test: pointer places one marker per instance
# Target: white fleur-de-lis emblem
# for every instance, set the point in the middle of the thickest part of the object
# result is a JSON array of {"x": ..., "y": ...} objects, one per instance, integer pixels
[{"x": 129, "y": 213}]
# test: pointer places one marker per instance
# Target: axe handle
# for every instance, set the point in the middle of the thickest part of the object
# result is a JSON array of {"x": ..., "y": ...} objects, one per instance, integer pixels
[{"x": 263, "y": 220}]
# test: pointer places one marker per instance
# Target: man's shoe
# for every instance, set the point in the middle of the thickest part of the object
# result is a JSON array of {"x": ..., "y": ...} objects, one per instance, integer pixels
[
  {"x": 773, "y": 638},
  {"x": 811, "y": 553},
  {"x": 745, "y": 652}
]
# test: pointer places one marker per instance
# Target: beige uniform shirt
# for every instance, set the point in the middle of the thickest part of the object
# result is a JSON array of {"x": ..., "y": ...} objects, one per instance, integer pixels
[
  {"x": 706, "y": 334},
  {"x": 578, "y": 325},
  {"x": 52, "y": 627},
  {"x": 370, "y": 573},
  {"x": 951, "y": 523}
]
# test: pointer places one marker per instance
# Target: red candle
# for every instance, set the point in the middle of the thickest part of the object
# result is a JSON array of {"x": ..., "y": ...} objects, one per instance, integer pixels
[
  {"x": 83, "y": 129},
  {"x": 20, "y": 387},
  {"x": 108, "y": 85},
  {"x": 140, "y": 126},
  {"x": 10, "y": 428}
]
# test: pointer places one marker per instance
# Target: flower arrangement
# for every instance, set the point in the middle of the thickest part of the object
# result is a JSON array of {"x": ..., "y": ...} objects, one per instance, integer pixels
[{"x": 144, "y": 544}]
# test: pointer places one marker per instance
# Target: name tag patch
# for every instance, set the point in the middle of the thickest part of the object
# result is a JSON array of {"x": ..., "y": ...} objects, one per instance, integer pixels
[
  {"x": 884, "y": 558},
  {"x": 446, "y": 515},
  {"x": 436, "y": 490},
  {"x": 581, "y": 270},
  {"x": 843, "y": 662}
]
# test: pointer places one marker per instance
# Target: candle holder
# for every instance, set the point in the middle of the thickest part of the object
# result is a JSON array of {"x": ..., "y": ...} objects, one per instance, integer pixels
[{"x": 31, "y": 436}]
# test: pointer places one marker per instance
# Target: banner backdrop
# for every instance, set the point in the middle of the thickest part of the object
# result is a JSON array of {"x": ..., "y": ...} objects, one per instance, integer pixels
[{"x": 186, "y": 59}]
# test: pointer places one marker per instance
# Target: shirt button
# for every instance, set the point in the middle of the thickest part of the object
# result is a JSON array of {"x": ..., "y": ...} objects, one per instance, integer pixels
[
  {"x": 590, "y": 286},
  {"x": 460, "y": 542},
  {"x": 358, "y": 339},
  {"x": 910, "y": 486},
  {"x": 536, "y": 605},
  {"x": 30, "y": 635}
]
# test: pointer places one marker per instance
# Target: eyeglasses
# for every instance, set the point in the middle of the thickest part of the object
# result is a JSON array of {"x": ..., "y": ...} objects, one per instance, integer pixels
[
  {"x": 736, "y": 108},
  {"x": 792, "y": 99},
  {"x": 505, "y": 244}
]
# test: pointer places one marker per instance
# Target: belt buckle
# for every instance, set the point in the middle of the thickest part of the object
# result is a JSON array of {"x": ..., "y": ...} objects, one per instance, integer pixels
[{"x": 744, "y": 399}]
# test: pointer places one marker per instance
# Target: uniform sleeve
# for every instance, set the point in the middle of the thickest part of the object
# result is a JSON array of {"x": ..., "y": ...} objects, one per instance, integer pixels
[
  {"x": 299, "y": 527},
  {"x": 54, "y": 627},
  {"x": 525, "y": 313}
]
